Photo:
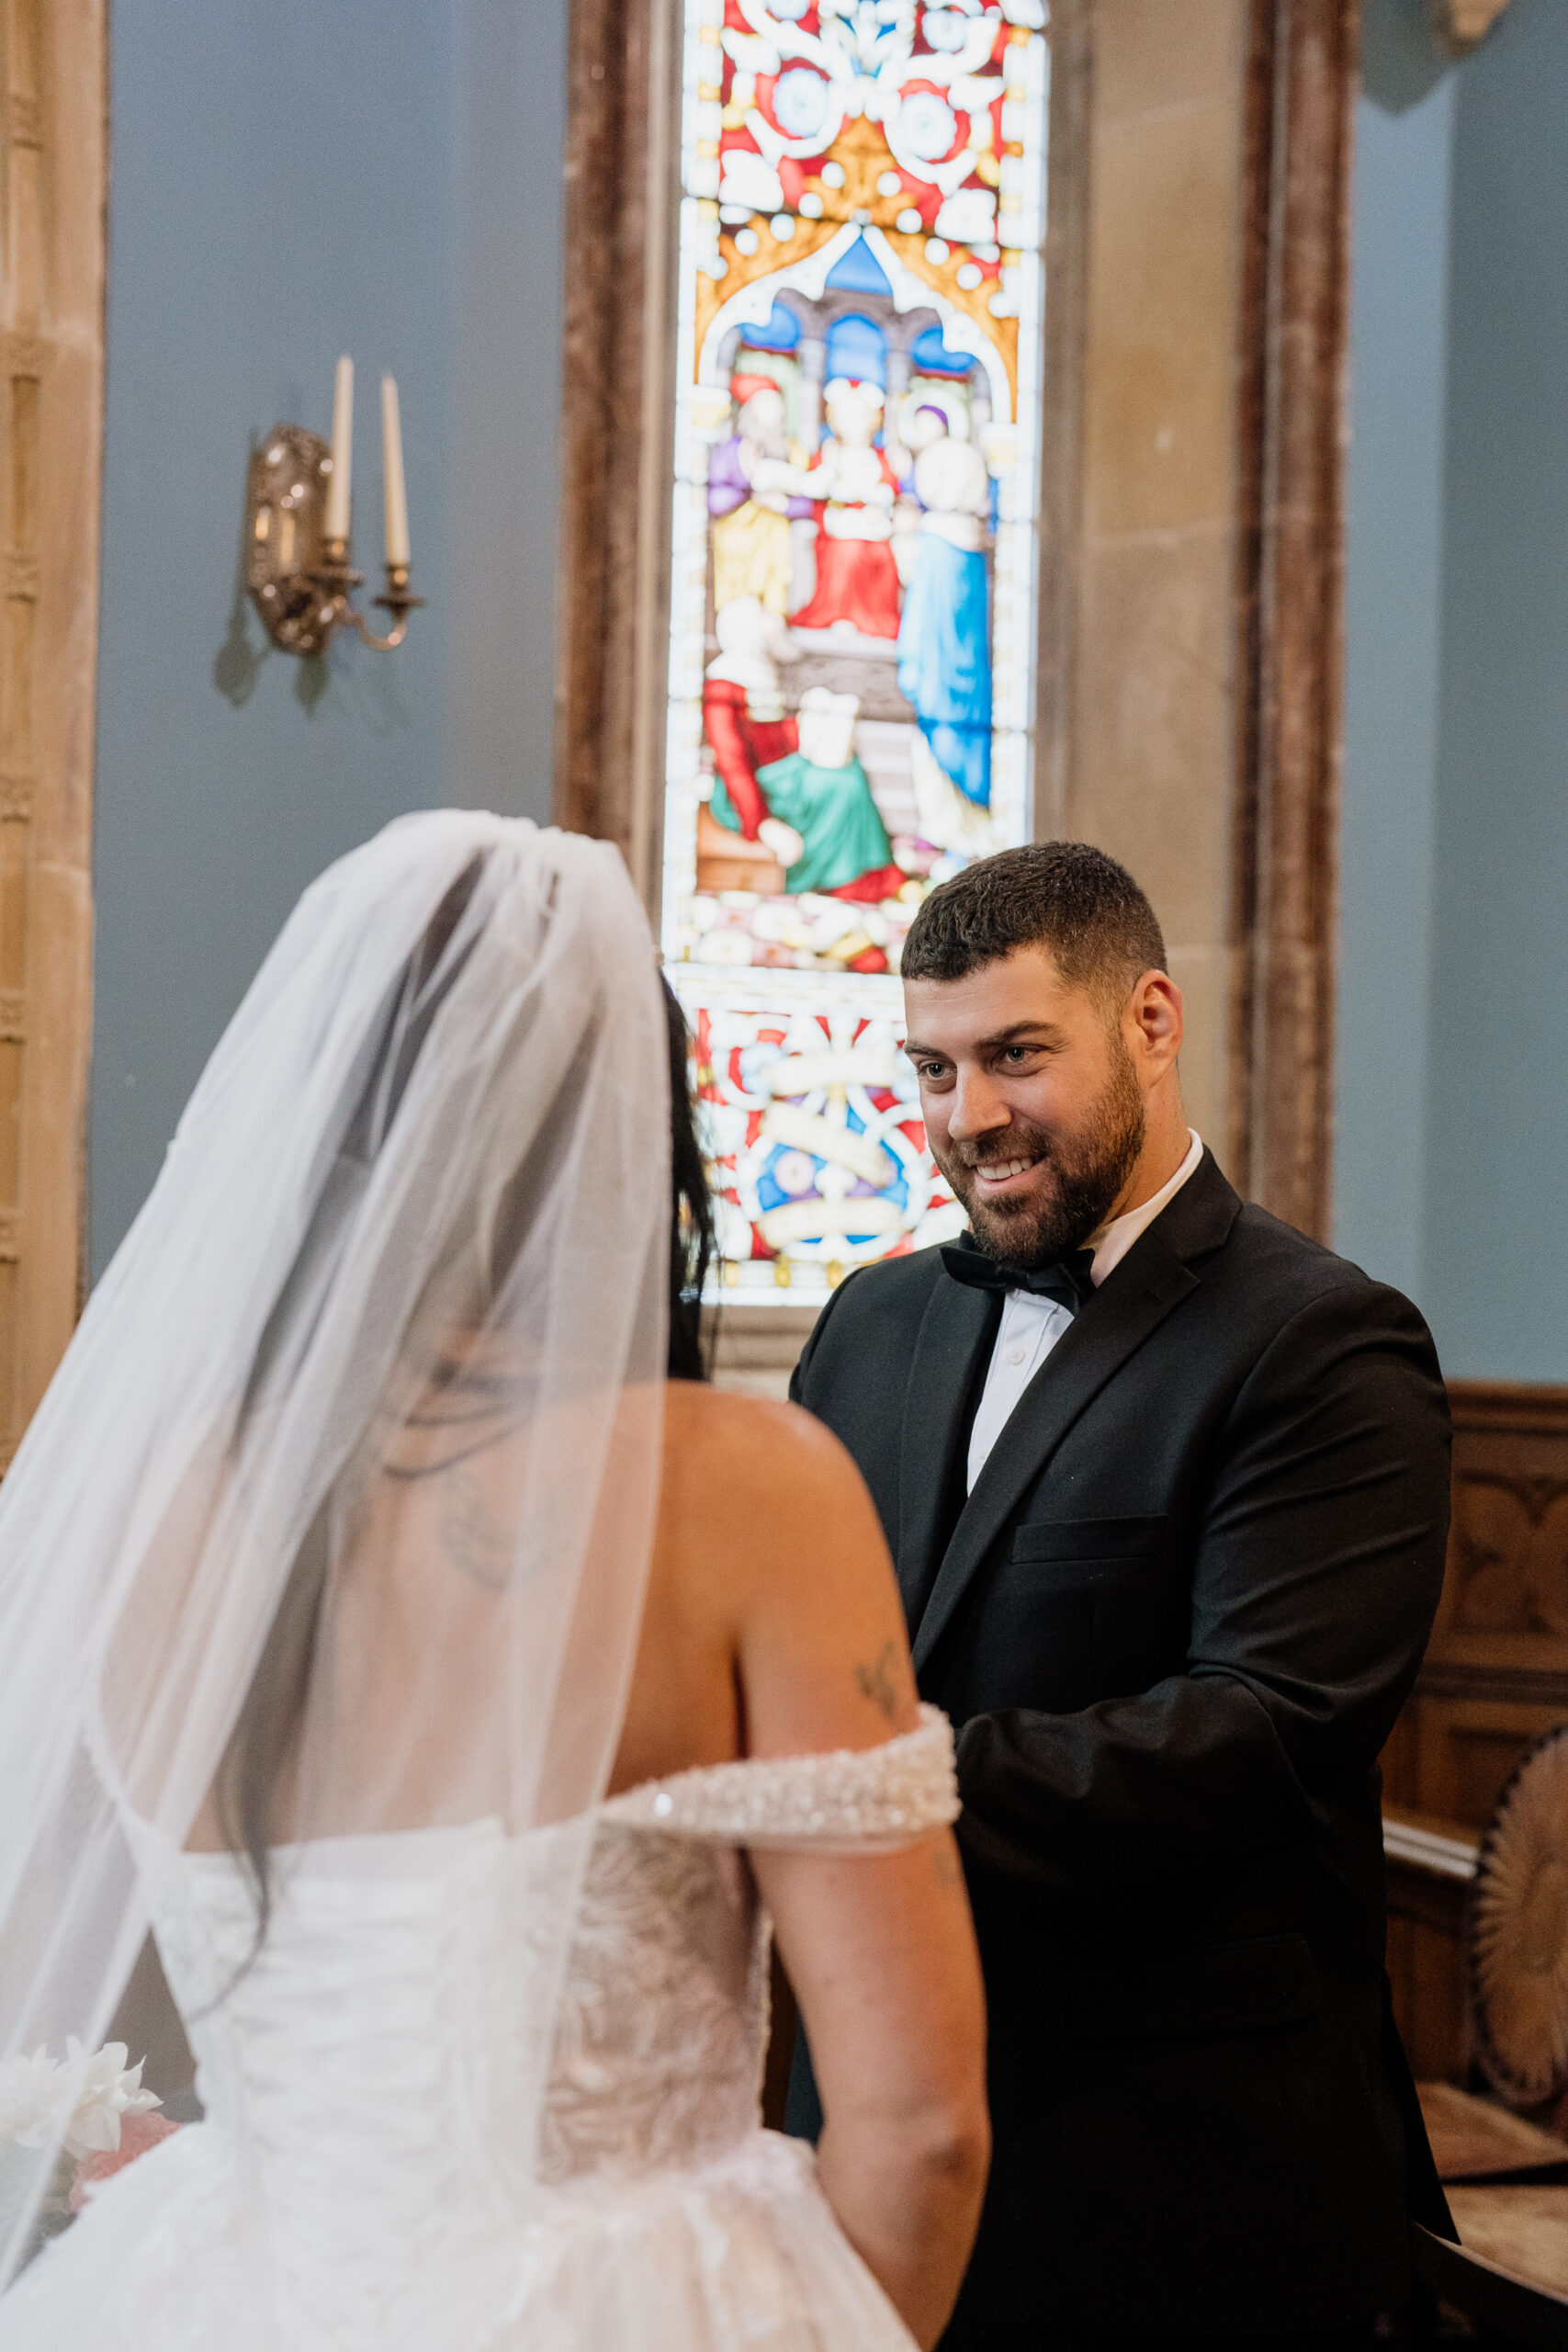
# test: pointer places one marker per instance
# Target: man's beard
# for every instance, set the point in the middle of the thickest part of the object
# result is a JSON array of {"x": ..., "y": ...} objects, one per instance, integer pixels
[{"x": 1085, "y": 1172}]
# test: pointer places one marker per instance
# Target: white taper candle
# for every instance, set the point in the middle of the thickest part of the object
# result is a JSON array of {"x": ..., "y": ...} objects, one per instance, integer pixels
[
  {"x": 336, "y": 524},
  {"x": 397, "y": 498}
]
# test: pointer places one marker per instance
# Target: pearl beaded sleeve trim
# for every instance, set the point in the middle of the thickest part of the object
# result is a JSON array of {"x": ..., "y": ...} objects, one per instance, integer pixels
[{"x": 850, "y": 1801}]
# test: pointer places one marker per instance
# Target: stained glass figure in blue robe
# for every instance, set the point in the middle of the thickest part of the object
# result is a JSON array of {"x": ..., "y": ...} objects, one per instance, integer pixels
[{"x": 944, "y": 658}]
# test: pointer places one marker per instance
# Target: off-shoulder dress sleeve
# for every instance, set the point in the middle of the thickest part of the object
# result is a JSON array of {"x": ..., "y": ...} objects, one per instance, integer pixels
[{"x": 850, "y": 1801}]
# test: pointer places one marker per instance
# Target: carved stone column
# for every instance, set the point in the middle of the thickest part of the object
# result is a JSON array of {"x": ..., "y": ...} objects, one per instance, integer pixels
[
  {"x": 1291, "y": 602},
  {"x": 53, "y": 74}
]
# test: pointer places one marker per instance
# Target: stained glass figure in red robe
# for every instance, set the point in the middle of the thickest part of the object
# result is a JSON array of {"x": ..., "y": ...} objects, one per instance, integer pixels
[{"x": 857, "y": 580}]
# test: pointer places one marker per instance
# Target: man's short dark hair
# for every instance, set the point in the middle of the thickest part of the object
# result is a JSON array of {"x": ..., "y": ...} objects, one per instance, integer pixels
[{"x": 1066, "y": 896}]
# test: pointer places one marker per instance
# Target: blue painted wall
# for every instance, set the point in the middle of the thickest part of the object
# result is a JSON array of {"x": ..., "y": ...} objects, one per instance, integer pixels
[
  {"x": 1392, "y": 632},
  {"x": 290, "y": 181},
  {"x": 1453, "y": 1110},
  {"x": 1497, "y": 1123},
  {"x": 505, "y": 489}
]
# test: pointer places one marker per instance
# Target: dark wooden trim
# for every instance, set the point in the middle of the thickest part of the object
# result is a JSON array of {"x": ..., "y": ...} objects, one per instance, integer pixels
[
  {"x": 1252, "y": 405},
  {"x": 1441, "y": 1904},
  {"x": 1508, "y": 1684},
  {"x": 1290, "y": 599},
  {"x": 1495, "y": 1676},
  {"x": 1509, "y": 1405},
  {"x": 621, "y": 226}
]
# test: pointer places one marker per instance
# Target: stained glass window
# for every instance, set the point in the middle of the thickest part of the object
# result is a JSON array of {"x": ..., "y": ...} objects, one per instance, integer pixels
[{"x": 855, "y": 559}]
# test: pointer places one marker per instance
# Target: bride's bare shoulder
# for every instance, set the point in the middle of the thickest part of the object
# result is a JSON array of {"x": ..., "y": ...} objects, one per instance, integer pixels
[
  {"x": 772, "y": 1557},
  {"x": 744, "y": 1457},
  {"x": 771, "y": 1563}
]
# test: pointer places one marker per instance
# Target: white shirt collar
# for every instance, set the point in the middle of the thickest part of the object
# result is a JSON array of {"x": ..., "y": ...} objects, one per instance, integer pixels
[{"x": 1112, "y": 1243}]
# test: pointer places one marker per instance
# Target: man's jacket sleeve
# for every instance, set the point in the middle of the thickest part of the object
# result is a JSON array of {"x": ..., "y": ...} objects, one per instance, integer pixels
[{"x": 1319, "y": 1564}]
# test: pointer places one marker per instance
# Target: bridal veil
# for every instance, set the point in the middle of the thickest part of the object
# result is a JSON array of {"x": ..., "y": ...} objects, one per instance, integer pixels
[{"x": 337, "y": 1516}]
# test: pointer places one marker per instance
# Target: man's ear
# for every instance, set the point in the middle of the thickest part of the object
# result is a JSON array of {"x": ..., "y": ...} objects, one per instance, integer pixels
[{"x": 1156, "y": 1019}]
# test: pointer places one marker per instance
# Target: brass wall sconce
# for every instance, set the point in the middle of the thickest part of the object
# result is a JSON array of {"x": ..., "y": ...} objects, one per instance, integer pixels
[
  {"x": 1459, "y": 26},
  {"x": 301, "y": 575}
]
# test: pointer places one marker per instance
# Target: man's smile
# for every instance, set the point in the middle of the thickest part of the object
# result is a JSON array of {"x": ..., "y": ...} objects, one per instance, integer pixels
[{"x": 1002, "y": 1175}]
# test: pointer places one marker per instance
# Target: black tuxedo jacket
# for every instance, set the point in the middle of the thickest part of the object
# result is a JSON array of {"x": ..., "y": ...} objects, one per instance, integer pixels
[{"x": 1173, "y": 1624}]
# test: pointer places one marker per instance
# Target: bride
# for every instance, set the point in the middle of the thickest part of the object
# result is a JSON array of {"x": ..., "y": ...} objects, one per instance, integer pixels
[{"x": 458, "y": 1702}]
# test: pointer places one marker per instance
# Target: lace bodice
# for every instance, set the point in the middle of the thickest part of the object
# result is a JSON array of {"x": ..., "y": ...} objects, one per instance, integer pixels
[
  {"x": 674, "y": 2073},
  {"x": 383, "y": 2033}
]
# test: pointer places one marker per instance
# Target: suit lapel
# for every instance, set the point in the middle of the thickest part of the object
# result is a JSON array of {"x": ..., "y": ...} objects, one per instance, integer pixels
[
  {"x": 957, "y": 1333},
  {"x": 1152, "y": 1279}
]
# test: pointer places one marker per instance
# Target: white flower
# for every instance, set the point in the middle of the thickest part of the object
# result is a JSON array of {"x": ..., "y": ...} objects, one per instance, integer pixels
[
  {"x": 78, "y": 2100},
  {"x": 103, "y": 2089},
  {"x": 30, "y": 2099}
]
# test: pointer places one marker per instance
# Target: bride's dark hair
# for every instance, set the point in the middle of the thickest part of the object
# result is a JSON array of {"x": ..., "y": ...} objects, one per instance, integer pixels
[
  {"x": 261, "y": 1747},
  {"x": 690, "y": 1210}
]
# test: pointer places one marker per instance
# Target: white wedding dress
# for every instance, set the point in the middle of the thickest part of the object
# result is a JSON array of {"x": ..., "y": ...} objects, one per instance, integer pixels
[{"x": 360, "y": 2183}]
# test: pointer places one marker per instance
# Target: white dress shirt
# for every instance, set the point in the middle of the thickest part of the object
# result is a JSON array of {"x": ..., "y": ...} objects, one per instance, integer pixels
[{"x": 1030, "y": 1327}]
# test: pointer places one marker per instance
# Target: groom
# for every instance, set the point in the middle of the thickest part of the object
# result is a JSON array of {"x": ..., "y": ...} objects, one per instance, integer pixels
[{"x": 1167, "y": 1486}]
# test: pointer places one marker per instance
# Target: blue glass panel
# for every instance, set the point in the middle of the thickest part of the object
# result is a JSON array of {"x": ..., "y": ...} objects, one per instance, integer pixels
[
  {"x": 857, "y": 347},
  {"x": 781, "y": 333},
  {"x": 860, "y": 272},
  {"x": 928, "y": 355}
]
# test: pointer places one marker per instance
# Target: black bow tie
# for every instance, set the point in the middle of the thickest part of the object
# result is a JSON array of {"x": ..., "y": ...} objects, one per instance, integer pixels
[{"x": 1067, "y": 1282}]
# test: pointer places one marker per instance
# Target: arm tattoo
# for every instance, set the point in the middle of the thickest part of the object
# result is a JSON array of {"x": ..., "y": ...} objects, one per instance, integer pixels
[
  {"x": 474, "y": 1540},
  {"x": 876, "y": 1681}
]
